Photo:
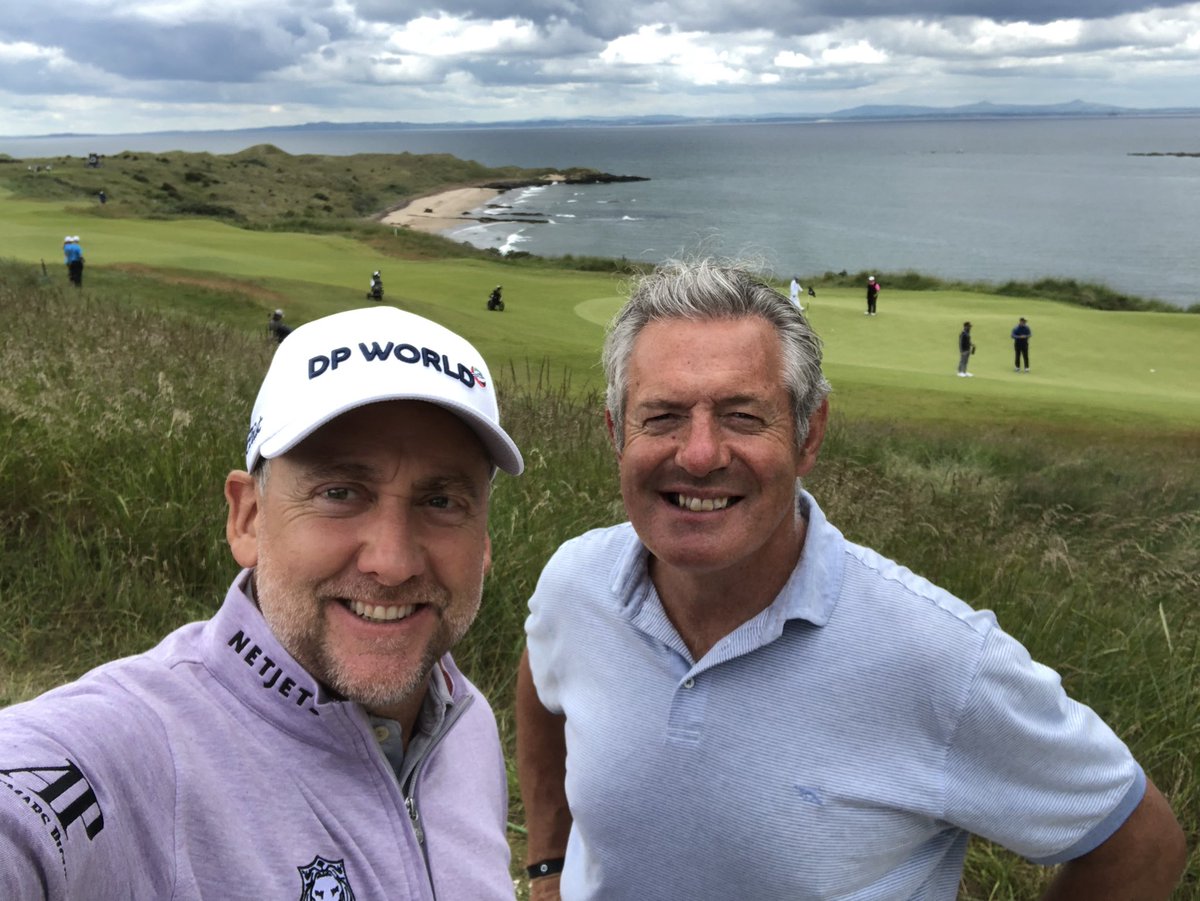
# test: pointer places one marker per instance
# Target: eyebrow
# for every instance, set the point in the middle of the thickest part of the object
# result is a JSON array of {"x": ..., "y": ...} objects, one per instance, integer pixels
[
  {"x": 322, "y": 470},
  {"x": 319, "y": 470},
  {"x": 735, "y": 400}
]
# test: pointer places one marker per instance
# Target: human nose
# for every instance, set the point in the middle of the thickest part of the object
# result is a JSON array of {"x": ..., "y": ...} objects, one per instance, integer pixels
[
  {"x": 701, "y": 449},
  {"x": 390, "y": 549}
]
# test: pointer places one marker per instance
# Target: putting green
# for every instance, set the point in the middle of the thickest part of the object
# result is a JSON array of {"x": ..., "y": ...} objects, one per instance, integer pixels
[{"x": 599, "y": 310}]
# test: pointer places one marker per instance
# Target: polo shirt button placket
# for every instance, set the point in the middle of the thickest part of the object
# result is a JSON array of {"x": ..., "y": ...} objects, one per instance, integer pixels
[{"x": 689, "y": 682}]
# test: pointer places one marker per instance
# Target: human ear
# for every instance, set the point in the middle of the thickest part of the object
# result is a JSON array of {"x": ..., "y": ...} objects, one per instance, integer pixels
[
  {"x": 241, "y": 524},
  {"x": 812, "y": 442},
  {"x": 611, "y": 427}
]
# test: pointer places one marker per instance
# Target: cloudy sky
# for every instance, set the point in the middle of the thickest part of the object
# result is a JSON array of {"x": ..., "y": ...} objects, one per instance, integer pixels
[{"x": 141, "y": 65}]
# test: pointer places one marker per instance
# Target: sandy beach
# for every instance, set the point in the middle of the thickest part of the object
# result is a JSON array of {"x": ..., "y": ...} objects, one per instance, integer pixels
[{"x": 442, "y": 211}]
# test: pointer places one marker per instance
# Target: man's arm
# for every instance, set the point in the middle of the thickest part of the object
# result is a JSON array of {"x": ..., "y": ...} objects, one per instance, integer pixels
[
  {"x": 1141, "y": 861},
  {"x": 541, "y": 770}
]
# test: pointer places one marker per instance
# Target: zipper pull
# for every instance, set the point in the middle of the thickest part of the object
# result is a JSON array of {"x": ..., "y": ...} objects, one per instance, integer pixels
[{"x": 410, "y": 805}]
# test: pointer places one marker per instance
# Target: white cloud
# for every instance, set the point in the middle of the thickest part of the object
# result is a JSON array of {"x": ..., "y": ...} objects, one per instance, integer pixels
[
  {"x": 791, "y": 59},
  {"x": 649, "y": 45},
  {"x": 858, "y": 53},
  {"x": 692, "y": 58},
  {"x": 448, "y": 36},
  {"x": 25, "y": 52}
]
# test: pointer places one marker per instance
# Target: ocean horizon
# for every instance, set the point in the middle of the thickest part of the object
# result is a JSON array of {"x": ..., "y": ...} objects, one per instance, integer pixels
[{"x": 972, "y": 200}]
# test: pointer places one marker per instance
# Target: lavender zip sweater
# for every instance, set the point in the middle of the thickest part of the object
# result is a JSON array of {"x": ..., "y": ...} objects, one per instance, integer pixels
[{"x": 214, "y": 766}]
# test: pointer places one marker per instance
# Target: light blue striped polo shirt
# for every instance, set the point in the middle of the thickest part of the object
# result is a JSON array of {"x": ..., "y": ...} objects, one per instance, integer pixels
[{"x": 843, "y": 743}]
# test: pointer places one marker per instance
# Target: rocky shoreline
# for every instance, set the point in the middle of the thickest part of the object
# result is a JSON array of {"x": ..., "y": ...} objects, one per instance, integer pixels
[
  {"x": 569, "y": 178},
  {"x": 449, "y": 209}
]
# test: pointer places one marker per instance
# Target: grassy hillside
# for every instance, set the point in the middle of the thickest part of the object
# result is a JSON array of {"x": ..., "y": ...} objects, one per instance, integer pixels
[{"x": 260, "y": 186}]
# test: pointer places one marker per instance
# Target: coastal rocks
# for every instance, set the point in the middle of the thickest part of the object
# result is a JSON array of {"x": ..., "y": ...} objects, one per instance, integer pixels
[
  {"x": 571, "y": 177},
  {"x": 524, "y": 220},
  {"x": 505, "y": 213}
]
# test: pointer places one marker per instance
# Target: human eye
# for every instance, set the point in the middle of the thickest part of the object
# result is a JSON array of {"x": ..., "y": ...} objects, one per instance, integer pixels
[
  {"x": 744, "y": 420},
  {"x": 659, "y": 423},
  {"x": 338, "y": 500},
  {"x": 447, "y": 510},
  {"x": 450, "y": 503}
]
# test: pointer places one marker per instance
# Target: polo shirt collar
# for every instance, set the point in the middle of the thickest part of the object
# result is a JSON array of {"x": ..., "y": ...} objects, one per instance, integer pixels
[{"x": 812, "y": 591}]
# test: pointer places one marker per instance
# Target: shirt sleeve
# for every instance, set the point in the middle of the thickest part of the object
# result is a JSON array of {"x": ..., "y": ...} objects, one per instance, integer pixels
[
  {"x": 1032, "y": 769},
  {"x": 27, "y": 869},
  {"x": 77, "y": 774}
]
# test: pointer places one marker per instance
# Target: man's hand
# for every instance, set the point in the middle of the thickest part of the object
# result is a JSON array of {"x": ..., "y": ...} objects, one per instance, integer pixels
[{"x": 544, "y": 888}]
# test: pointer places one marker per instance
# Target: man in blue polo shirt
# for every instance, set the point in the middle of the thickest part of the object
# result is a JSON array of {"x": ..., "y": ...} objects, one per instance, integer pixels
[
  {"x": 724, "y": 698},
  {"x": 73, "y": 257}
]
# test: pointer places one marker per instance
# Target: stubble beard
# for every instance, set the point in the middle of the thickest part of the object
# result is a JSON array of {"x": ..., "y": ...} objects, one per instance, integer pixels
[{"x": 296, "y": 614}]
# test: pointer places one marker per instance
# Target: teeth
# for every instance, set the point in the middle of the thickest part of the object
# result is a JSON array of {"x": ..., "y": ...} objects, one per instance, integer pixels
[
  {"x": 701, "y": 505},
  {"x": 380, "y": 613}
]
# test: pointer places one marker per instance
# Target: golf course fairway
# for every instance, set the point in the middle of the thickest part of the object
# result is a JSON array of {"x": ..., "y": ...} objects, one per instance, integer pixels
[{"x": 1089, "y": 367}]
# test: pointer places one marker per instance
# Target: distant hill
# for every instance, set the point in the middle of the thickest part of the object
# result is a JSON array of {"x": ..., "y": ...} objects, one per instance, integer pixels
[
  {"x": 981, "y": 110},
  {"x": 985, "y": 110}
]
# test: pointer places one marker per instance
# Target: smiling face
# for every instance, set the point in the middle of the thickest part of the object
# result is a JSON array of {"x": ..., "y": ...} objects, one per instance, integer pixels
[
  {"x": 709, "y": 461},
  {"x": 369, "y": 543}
]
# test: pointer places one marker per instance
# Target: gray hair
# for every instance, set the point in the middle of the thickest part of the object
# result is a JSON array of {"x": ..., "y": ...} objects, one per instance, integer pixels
[
  {"x": 709, "y": 290},
  {"x": 262, "y": 472}
]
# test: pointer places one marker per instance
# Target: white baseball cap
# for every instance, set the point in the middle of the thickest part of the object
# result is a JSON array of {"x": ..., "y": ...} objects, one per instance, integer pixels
[{"x": 332, "y": 365}]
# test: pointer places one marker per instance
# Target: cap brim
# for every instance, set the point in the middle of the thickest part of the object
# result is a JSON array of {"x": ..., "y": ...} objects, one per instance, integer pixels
[{"x": 501, "y": 449}]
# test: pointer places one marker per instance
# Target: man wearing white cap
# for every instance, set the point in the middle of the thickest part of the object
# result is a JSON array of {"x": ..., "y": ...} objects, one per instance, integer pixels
[
  {"x": 314, "y": 738},
  {"x": 73, "y": 257}
]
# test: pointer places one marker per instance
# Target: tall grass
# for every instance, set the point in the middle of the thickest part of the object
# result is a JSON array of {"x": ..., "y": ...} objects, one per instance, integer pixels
[{"x": 118, "y": 425}]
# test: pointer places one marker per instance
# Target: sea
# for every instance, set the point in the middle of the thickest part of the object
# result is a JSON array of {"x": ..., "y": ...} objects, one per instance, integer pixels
[{"x": 1093, "y": 199}]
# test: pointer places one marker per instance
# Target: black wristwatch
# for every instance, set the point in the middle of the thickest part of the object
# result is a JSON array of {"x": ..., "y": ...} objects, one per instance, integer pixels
[{"x": 545, "y": 868}]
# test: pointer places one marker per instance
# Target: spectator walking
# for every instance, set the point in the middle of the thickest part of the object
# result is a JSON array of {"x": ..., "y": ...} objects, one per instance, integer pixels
[
  {"x": 872, "y": 294},
  {"x": 1021, "y": 334},
  {"x": 73, "y": 257},
  {"x": 965, "y": 349}
]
